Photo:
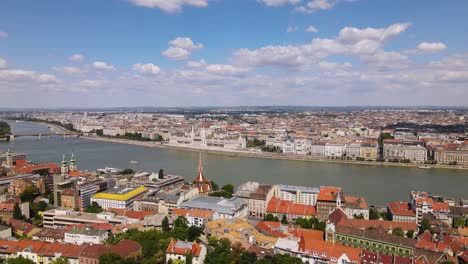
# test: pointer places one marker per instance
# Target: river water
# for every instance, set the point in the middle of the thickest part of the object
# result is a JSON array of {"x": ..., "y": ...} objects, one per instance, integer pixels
[{"x": 377, "y": 184}]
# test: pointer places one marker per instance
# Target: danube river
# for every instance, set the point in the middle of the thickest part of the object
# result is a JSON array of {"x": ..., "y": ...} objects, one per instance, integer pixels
[{"x": 377, "y": 184}]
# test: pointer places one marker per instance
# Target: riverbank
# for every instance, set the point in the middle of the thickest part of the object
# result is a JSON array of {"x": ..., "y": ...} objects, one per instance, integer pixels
[{"x": 266, "y": 155}]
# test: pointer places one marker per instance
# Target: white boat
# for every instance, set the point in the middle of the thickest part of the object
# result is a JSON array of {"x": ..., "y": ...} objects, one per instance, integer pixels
[
  {"x": 134, "y": 162},
  {"x": 424, "y": 167}
]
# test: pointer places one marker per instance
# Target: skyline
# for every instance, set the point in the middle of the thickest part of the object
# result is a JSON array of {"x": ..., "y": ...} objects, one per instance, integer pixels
[{"x": 135, "y": 53}]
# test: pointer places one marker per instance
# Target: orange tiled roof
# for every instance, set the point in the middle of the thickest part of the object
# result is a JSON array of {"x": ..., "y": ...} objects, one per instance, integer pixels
[
  {"x": 200, "y": 213},
  {"x": 329, "y": 193},
  {"x": 288, "y": 207},
  {"x": 339, "y": 218},
  {"x": 400, "y": 208},
  {"x": 440, "y": 207},
  {"x": 179, "y": 211},
  {"x": 172, "y": 248},
  {"x": 131, "y": 214}
]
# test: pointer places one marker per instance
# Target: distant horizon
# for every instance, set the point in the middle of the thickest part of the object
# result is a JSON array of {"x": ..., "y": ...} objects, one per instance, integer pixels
[{"x": 259, "y": 107}]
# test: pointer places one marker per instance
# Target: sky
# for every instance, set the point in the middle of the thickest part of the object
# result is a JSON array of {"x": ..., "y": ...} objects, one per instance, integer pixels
[{"x": 131, "y": 53}]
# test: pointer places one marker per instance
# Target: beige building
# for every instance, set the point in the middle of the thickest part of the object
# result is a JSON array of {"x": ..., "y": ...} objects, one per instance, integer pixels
[
  {"x": 369, "y": 151},
  {"x": 257, "y": 196}
]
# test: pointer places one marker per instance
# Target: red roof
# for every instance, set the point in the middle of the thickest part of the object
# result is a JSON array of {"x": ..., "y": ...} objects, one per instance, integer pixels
[
  {"x": 179, "y": 211},
  {"x": 440, "y": 207},
  {"x": 183, "y": 248},
  {"x": 270, "y": 228},
  {"x": 7, "y": 246},
  {"x": 131, "y": 214},
  {"x": 339, "y": 218},
  {"x": 329, "y": 193},
  {"x": 289, "y": 208},
  {"x": 400, "y": 208},
  {"x": 327, "y": 250}
]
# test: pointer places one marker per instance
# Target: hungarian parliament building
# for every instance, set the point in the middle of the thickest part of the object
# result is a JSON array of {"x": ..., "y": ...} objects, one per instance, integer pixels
[{"x": 208, "y": 137}]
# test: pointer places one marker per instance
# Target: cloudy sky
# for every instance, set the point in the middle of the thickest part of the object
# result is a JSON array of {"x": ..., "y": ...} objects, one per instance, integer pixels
[{"x": 106, "y": 53}]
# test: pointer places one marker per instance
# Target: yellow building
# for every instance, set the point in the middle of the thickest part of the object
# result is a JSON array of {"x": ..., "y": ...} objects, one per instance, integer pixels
[
  {"x": 121, "y": 198},
  {"x": 368, "y": 151}
]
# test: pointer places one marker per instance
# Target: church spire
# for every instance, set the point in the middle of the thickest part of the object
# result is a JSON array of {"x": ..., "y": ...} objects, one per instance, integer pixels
[
  {"x": 203, "y": 185},
  {"x": 200, "y": 164}
]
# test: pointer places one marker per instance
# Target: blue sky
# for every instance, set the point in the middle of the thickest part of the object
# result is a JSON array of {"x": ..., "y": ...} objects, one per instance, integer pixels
[{"x": 232, "y": 52}]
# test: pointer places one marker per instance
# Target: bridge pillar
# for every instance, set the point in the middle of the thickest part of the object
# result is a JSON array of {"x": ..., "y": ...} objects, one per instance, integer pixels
[{"x": 12, "y": 137}]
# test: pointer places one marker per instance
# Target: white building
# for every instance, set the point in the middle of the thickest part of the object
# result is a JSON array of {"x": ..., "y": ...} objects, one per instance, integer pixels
[
  {"x": 178, "y": 251},
  {"x": 298, "y": 194},
  {"x": 79, "y": 236},
  {"x": 335, "y": 149}
]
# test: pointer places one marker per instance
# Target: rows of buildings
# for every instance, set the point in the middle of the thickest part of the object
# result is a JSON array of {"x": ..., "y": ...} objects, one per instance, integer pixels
[
  {"x": 321, "y": 224},
  {"x": 417, "y": 136}
]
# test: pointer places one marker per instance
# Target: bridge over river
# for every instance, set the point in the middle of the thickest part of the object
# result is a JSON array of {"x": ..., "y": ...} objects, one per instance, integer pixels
[{"x": 56, "y": 131}]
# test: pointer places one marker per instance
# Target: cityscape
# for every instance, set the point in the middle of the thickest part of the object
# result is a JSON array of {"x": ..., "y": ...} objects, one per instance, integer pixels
[{"x": 240, "y": 132}]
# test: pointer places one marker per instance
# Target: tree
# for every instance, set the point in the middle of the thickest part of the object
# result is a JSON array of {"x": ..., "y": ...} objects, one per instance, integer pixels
[
  {"x": 94, "y": 208},
  {"x": 193, "y": 233},
  {"x": 188, "y": 258},
  {"x": 459, "y": 222},
  {"x": 110, "y": 258},
  {"x": 398, "y": 232},
  {"x": 270, "y": 217},
  {"x": 17, "y": 214},
  {"x": 214, "y": 186},
  {"x": 126, "y": 171},
  {"x": 19, "y": 260},
  {"x": 284, "y": 220},
  {"x": 374, "y": 214},
  {"x": 165, "y": 224},
  {"x": 425, "y": 225},
  {"x": 359, "y": 216},
  {"x": 410, "y": 233},
  {"x": 229, "y": 188},
  {"x": 161, "y": 174},
  {"x": 99, "y": 132},
  {"x": 60, "y": 260},
  {"x": 29, "y": 194}
]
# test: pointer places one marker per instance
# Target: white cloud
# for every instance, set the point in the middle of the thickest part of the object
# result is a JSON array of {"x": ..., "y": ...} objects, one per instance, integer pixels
[
  {"x": 315, "y": 5},
  {"x": 350, "y": 41},
  {"x": 72, "y": 71},
  {"x": 48, "y": 79},
  {"x": 311, "y": 29},
  {"x": 351, "y": 34},
  {"x": 169, "y": 6},
  {"x": 3, "y": 34},
  {"x": 426, "y": 47},
  {"x": 92, "y": 83},
  {"x": 290, "y": 29},
  {"x": 185, "y": 43},
  {"x": 181, "y": 48},
  {"x": 76, "y": 58},
  {"x": 176, "y": 53},
  {"x": 3, "y": 63},
  {"x": 279, "y": 2},
  {"x": 25, "y": 76},
  {"x": 148, "y": 68},
  {"x": 17, "y": 75},
  {"x": 218, "y": 69},
  {"x": 332, "y": 66},
  {"x": 100, "y": 65}
]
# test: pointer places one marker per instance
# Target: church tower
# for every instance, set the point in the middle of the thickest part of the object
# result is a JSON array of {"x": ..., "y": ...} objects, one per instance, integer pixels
[
  {"x": 73, "y": 166},
  {"x": 9, "y": 159},
  {"x": 203, "y": 185},
  {"x": 64, "y": 167}
]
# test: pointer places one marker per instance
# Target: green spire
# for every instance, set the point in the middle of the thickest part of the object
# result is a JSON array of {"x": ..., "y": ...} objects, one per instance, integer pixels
[
  {"x": 64, "y": 162},
  {"x": 72, "y": 160}
]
